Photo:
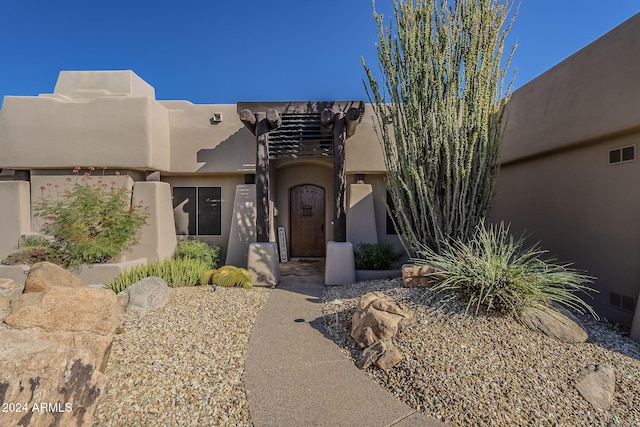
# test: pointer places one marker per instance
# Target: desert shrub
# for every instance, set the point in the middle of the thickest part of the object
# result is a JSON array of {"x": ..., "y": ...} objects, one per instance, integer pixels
[
  {"x": 495, "y": 271},
  {"x": 91, "y": 223},
  {"x": 196, "y": 249},
  {"x": 376, "y": 256},
  {"x": 228, "y": 276},
  {"x": 33, "y": 249},
  {"x": 176, "y": 272}
]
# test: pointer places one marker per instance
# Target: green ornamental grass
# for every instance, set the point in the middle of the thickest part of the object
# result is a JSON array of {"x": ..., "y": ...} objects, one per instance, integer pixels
[
  {"x": 496, "y": 272},
  {"x": 176, "y": 272}
]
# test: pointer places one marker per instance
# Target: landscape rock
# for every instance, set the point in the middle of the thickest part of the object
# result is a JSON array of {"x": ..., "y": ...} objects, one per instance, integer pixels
[
  {"x": 69, "y": 309},
  {"x": 553, "y": 324},
  {"x": 417, "y": 276},
  {"x": 54, "y": 384},
  {"x": 377, "y": 318},
  {"x": 382, "y": 354},
  {"x": 96, "y": 345},
  {"x": 148, "y": 294},
  {"x": 44, "y": 275},
  {"x": 4, "y": 301},
  {"x": 597, "y": 385},
  {"x": 10, "y": 288}
]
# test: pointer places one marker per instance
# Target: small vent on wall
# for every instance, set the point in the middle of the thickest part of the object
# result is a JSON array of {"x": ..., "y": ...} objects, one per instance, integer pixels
[
  {"x": 623, "y": 302},
  {"x": 622, "y": 155}
]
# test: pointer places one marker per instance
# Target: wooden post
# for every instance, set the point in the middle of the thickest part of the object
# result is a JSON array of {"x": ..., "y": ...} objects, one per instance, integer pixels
[
  {"x": 339, "y": 179},
  {"x": 262, "y": 178}
]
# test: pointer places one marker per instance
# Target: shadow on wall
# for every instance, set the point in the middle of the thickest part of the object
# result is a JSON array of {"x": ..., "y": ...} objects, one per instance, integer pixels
[
  {"x": 235, "y": 154},
  {"x": 243, "y": 226}
]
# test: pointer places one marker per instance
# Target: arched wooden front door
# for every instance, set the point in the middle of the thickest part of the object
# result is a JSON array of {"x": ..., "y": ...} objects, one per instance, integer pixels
[{"x": 306, "y": 213}]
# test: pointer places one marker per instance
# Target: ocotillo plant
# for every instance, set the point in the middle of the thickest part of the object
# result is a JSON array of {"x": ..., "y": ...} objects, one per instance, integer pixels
[{"x": 440, "y": 113}]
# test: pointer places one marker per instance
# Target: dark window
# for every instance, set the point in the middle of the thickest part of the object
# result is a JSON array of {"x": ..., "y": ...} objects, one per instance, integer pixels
[
  {"x": 204, "y": 208},
  {"x": 390, "y": 227},
  {"x": 209, "y": 211},
  {"x": 614, "y": 156},
  {"x": 628, "y": 153},
  {"x": 185, "y": 198},
  {"x": 625, "y": 154},
  {"x": 250, "y": 178}
]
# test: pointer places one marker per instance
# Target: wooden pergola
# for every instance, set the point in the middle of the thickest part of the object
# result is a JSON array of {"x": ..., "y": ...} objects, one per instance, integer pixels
[{"x": 295, "y": 130}]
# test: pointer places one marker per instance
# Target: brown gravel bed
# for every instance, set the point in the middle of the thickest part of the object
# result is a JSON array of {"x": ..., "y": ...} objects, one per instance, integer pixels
[
  {"x": 490, "y": 371},
  {"x": 182, "y": 364}
]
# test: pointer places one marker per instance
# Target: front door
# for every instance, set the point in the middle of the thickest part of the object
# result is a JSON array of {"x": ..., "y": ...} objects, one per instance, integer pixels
[{"x": 307, "y": 221}]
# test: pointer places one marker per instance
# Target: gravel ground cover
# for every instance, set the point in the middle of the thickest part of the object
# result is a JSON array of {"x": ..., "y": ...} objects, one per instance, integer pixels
[
  {"x": 490, "y": 371},
  {"x": 182, "y": 364}
]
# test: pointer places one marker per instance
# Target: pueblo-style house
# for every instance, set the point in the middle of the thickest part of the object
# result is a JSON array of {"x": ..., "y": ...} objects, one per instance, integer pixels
[{"x": 267, "y": 181}]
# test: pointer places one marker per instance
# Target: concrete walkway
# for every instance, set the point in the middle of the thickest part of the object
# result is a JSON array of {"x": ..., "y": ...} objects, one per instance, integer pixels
[{"x": 296, "y": 376}]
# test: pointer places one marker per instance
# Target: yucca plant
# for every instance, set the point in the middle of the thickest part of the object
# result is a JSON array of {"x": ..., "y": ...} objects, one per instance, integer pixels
[
  {"x": 228, "y": 276},
  {"x": 496, "y": 272},
  {"x": 176, "y": 272}
]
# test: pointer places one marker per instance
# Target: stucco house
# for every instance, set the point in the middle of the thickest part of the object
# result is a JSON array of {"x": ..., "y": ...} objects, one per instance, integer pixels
[
  {"x": 316, "y": 169},
  {"x": 265, "y": 180}
]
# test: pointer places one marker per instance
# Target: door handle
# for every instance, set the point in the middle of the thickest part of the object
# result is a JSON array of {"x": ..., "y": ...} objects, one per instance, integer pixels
[{"x": 322, "y": 226}]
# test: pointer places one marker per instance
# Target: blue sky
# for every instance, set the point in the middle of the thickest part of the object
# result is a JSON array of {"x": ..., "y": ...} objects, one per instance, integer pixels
[{"x": 253, "y": 50}]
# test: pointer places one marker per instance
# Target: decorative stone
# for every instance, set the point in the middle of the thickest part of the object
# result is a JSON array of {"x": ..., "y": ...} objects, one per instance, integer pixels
[
  {"x": 10, "y": 288},
  {"x": 376, "y": 319},
  {"x": 382, "y": 354},
  {"x": 63, "y": 308},
  {"x": 44, "y": 275},
  {"x": 150, "y": 293},
  {"x": 55, "y": 384},
  {"x": 597, "y": 385},
  {"x": 417, "y": 276},
  {"x": 553, "y": 324}
]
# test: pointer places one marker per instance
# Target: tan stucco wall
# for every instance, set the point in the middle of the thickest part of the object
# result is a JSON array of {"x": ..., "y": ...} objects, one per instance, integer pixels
[
  {"x": 583, "y": 210},
  {"x": 15, "y": 216},
  {"x": 591, "y": 94},
  {"x": 363, "y": 151},
  {"x": 555, "y": 179},
  {"x": 120, "y": 130},
  {"x": 197, "y": 146}
]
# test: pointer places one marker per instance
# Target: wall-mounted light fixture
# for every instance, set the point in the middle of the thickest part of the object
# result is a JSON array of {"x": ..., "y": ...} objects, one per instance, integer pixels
[
  {"x": 359, "y": 178},
  {"x": 216, "y": 118}
]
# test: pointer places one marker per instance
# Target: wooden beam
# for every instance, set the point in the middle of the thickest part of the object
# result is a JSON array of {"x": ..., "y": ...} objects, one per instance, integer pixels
[
  {"x": 274, "y": 119},
  {"x": 262, "y": 178},
  {"x": 249, "y": 119},
  {"x": 339, "y": 179},
  {"x": 352, "y": 119}
]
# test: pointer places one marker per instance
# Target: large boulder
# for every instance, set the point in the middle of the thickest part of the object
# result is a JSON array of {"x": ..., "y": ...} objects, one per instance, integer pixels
[
  {"x": 44, "y": 275},
  {"x": 68, "y": 309},
  {"x": 54, "y": 353},
  {"x": 597, "y": 385},
  {"x": 148, "y": 294},
  {"x": 554, "y": 324},
  {"x": 377, "y": 318},
  {"x": 48, "y": 384}
]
